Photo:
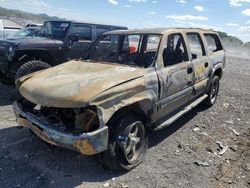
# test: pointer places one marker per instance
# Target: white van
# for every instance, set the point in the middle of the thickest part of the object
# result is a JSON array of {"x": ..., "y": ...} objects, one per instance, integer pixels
[{"x": 8, "y": 27}]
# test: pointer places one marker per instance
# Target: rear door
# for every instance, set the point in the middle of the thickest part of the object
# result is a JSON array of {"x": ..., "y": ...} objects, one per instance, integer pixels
[
  {"x": 201, "y": 64},
  {"x": 215, "y": 50},
  {"x": 176, "y": 77}
]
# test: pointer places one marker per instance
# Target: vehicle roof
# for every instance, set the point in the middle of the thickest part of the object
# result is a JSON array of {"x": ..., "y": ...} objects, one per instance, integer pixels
[
  {"x": 160, "y": 31},
  {"x": 91, "y": 23}
]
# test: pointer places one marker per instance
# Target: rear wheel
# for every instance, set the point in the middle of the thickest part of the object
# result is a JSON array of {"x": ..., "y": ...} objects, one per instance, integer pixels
[
  {"x": 213, "y": 92},
  {"x": 31, "y": 66},
  {"x": 127, "y": 146}
]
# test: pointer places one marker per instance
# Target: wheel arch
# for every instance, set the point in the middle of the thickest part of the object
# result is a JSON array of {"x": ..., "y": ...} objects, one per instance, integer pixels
[
  {"x": 35, "y": 54},
  {"x": 218, "y": 71},
  {"x": 141, "y": 109}
]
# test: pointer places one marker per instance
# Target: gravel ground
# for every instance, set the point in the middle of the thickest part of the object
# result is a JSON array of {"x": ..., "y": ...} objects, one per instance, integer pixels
[{"x": 186, "y": 154}]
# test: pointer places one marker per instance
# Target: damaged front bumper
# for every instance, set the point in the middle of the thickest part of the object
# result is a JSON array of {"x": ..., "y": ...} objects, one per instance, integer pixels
[{"x": 86, "y": 143}]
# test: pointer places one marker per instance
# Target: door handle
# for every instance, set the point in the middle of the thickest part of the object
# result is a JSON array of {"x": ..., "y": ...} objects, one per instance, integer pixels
[
  {"x": 206, "y": 64},
  {"x": 190, "y": 70}
]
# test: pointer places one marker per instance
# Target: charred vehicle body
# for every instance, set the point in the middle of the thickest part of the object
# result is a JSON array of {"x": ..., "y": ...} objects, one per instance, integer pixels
[
  {"x": 137, "y": 79},
  {"x": 56, "y": 42}
]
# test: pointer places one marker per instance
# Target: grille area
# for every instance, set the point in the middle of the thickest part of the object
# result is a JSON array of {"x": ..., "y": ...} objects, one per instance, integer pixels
[{"x": 66, "y": 119}]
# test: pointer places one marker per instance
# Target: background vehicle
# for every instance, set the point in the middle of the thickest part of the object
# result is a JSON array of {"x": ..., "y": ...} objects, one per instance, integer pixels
[
  {"x": 136, "y": 79},
  {"x": 8, "y": 27},
  {"x": 57, "y": 42},
  {"x": 24, "y": 33}
]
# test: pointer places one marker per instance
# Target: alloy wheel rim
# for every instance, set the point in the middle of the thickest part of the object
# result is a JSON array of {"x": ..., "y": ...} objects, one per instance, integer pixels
[
  {"x": 214, "y": 92},
  {"x": 133, "y": 145}
]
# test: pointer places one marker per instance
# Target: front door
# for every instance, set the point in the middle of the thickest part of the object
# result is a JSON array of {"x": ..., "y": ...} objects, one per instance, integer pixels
[{"x": 176, "y": 77}]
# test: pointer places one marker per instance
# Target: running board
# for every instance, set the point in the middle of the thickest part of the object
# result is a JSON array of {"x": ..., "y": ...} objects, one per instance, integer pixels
[{"x": 181, "y": 113}]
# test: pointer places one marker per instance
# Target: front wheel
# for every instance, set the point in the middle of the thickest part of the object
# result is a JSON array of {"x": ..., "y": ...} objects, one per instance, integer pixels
[
  {"x": 128, "y": 144},
  {"x": 30, "y": 67},
  {"x": 213, "y": 92}
]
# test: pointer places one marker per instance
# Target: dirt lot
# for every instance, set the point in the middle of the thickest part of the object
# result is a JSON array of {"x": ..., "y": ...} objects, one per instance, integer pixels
[{"x": 173, "y": 156}]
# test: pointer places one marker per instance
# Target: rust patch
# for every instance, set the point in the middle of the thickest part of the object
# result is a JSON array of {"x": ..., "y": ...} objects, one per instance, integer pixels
[{"x": 84, "y": 146}]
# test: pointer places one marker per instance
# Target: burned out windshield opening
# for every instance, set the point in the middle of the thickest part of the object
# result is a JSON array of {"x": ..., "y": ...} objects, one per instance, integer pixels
[{"x": 126, "y": 49}]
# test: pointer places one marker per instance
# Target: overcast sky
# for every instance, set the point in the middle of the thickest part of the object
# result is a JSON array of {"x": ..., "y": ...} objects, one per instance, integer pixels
[{"x": 231, "y": 16}]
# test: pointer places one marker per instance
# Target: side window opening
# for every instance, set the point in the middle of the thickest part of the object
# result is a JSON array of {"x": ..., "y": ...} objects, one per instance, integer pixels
[
  {"x": 175, "y": 50},
  {"x": 126, "y": 49},
  {"x": 151, "y": 49},
  {"x": 213, "y": 43},
  {"x": 196, "y": 46},
  {"x": 131, "y": 43},
  {"x": 83, "y": 31},
  {"x": 130, "y": 49}
]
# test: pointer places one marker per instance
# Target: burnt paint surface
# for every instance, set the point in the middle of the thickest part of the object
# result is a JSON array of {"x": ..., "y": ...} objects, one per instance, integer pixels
[{"x": 80, "y": 84}]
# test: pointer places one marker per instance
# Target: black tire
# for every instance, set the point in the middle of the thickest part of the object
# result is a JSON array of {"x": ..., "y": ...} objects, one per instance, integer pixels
[
  {"x": 128, "y": 144},
  {"x": 212, "y": 92},
  {"x": 31, "y": 66},
  {"x": 7, "y": 81},
  {"x": 7, "y": 78}
]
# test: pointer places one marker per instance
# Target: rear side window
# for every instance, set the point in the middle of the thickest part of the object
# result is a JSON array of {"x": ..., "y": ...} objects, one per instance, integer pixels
[
  {"x": 196, "y": 45},
  {"x": 213, "y": 43},
  {"x": 83, "y": 31}
]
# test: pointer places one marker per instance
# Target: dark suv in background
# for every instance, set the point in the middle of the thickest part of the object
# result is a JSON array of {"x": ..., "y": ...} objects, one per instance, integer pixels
[{"x": 57, "y": 42}]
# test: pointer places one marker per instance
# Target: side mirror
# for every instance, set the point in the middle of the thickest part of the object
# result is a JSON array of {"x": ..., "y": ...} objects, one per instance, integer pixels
[{"x": 74, "y": 38}]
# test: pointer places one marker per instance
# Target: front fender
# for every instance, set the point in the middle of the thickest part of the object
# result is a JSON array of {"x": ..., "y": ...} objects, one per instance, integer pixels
[{"x": 121, "y": 96}]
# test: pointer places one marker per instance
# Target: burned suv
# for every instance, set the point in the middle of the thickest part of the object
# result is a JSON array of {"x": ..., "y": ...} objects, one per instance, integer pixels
[
  {"x": 136, "y": 79},
  {"x": 57, "y": 42}
]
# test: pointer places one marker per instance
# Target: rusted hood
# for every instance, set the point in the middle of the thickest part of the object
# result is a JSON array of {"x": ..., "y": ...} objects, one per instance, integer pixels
[{"x": 75, "y": 83}]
